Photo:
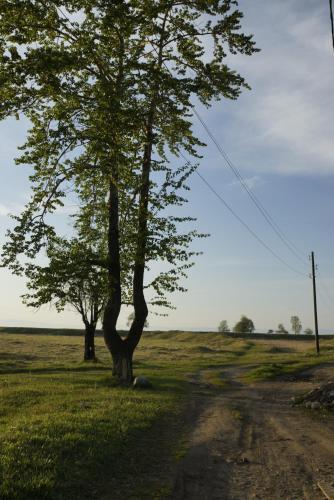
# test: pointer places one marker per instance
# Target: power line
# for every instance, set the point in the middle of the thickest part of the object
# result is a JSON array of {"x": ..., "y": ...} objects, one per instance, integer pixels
[
  {"x": 263, "y": 211},
  {"x": 324, "y": 299},
  {"x": 249, "y": 229},
  {"x": 243, "y": 183},
  {"x": 250, "y": 193},
  {"x": 325, "y": 289}
]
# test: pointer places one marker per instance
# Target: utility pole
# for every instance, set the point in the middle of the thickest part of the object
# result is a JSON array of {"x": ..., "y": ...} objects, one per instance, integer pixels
[
  {"x": 315, "y": 305},
  {"x": 332, "y": 20}
]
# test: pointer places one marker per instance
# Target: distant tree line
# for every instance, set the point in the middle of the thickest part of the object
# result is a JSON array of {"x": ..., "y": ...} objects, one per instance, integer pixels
[{"x": 246, "y": 325}]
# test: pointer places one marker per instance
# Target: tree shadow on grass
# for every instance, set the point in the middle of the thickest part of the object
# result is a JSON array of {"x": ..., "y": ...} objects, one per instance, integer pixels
[
  {"x": 54, "y": 459},
  {"x": 18, "y": 357},
  {"x": 12, "y": 368}
]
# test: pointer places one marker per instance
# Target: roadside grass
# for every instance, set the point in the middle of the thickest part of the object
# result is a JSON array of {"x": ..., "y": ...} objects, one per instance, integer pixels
[
  {"x": 67, "y": 431},
  {"x": 286, "y": 362}
]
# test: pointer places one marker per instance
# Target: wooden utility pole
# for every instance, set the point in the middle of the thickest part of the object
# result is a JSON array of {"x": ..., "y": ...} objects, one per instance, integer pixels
[
  {"x": 332, "y": 20},
  {"x": 315, "y": 305}
]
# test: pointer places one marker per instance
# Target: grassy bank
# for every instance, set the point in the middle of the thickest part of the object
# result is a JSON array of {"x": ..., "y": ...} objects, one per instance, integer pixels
[{"x": 68, "y": 432}]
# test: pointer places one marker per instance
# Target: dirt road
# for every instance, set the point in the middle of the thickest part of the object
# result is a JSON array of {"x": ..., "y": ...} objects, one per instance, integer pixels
[{"x": 249, "y": 442}]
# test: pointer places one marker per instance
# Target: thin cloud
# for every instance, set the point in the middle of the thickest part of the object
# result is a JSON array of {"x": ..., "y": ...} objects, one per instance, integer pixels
[
  {"x": 6, "y": 210},
  {"x": 283, "y": 125},
  {"x": 252, "y": 182}
]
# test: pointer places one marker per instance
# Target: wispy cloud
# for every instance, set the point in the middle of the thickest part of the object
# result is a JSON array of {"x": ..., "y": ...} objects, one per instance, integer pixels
[
  {"x": 10, "y": 209},
  {"x": 252, "y": 182},
  {"x": 284, "y": 124}
]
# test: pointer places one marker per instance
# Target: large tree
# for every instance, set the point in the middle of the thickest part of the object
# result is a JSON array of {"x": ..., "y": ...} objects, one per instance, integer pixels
[{"x": 107, "y": 87}]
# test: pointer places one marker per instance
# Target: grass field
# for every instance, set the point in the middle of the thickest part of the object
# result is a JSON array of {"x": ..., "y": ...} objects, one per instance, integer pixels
[{"x": 68, "y": 432}]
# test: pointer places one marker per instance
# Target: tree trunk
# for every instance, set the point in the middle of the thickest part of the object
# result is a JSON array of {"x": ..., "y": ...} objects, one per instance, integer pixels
[
  {"x": 90, "y": 343},
  {"x": 122, "y": 365},
  {"x": 122, "y": 350}
]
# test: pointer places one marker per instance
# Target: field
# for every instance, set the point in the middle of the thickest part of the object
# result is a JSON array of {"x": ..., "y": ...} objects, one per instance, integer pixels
[{"x": 69, "y": 432}]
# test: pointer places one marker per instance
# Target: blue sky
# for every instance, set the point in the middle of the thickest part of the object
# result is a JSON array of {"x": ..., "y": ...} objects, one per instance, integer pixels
[{"x": 280, "y": 136}]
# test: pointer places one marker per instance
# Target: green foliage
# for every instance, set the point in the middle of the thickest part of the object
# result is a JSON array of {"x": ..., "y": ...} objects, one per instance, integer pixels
[
  {"x": 245, "y": 325},
  {"x": 296, "y": 325},
  {"x": 223, "y": 326},
  {"x": 308, "y": 331},
  {"x": 92, "y": 79}
]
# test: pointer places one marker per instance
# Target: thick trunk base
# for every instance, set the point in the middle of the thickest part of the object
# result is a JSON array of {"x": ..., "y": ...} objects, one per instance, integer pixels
[{"x": 122, "y": 368}]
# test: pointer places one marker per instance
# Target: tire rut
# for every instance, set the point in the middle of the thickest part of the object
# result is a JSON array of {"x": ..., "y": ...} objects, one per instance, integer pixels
[{"x": 249, "y": 443}]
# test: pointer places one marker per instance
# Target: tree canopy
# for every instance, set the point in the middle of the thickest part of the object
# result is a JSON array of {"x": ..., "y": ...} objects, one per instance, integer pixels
[
  {"x": 223, "y": 326},
  {"x": 296, "y": 325},
  {"x": 245, "y": 325}
]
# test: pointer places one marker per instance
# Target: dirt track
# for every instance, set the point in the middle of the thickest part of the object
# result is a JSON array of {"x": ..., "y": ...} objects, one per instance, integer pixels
[{"x": 250, "y": 443}]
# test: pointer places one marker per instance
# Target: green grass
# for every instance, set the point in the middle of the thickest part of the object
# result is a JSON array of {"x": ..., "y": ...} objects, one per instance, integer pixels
[{"x": 67, "y": 431}]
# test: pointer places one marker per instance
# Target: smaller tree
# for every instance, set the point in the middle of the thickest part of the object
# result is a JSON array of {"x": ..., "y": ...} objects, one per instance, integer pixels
[
  {"x": 68, "y": 280},
  {"x": 223, "y": 326},
  {"x": 281, "y": 329},
  {"x": 270, "y": 331},
  {"x": 245, "y": 325},
  {"x": 296, "y": 325},
  {"x": 308, "y": 331}
]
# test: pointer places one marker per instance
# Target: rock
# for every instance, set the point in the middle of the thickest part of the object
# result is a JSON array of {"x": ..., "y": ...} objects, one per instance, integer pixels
[
  {"x": 320, "y": 397},
  {"x": 142, "y": 382}
]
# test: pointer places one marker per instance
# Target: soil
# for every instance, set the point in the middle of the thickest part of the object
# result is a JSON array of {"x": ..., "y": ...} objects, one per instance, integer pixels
[{"x": 250, "y": 442}]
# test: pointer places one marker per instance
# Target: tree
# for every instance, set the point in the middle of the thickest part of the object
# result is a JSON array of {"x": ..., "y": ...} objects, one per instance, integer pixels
[
  {"x": 308, "y": 331},
  {"x": 67, "y": 280},
  {"x": 108, "y": 88},
  {"x": 296, "y": 324},
  {"x": 281, "y": 329},
  {"x": 223, "y": 326},
  {"x": 245, "y": 325}
]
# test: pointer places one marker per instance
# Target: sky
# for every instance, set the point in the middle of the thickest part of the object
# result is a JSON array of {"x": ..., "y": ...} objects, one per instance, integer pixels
[{"x": 279, "y": 134}]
